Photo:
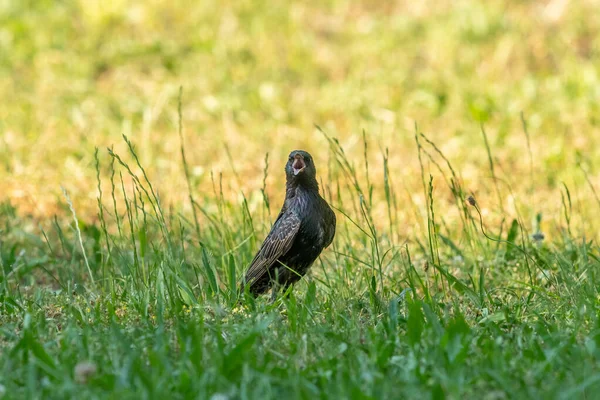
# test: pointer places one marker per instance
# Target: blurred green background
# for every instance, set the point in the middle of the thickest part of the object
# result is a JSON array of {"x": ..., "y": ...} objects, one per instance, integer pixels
[{"x": 257, "y": 76}]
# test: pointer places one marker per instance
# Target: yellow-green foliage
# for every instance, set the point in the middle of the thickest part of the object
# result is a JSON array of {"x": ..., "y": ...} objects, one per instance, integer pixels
[
  {"x": 257, "y": 76},
  {"x": 426, "y": 292}
]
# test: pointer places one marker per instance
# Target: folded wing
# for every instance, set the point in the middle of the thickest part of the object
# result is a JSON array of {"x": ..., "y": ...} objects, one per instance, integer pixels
[{"x": 278, "y": 242}]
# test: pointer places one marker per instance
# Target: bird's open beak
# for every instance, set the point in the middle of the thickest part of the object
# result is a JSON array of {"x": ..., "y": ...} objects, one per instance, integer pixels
[{"x": 298, "y": 165}]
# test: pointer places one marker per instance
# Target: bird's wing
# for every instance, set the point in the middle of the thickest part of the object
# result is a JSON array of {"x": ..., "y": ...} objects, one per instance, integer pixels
[{"x": 277, "y": 243}]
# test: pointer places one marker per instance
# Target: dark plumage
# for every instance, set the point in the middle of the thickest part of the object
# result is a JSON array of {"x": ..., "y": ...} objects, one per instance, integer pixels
[{"x": 304, "y": 227}]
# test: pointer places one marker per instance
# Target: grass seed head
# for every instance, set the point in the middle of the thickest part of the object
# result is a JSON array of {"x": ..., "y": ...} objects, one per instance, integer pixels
[
  {"x": 538, "y": 236},
  {"x": 472, "y": 201}
]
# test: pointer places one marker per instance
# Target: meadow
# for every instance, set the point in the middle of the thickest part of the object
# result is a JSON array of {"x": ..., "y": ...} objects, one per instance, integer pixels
[{"x": 142, "y": 146}]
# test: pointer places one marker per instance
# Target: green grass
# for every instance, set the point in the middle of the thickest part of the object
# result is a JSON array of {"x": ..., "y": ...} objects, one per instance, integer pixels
[
  {"x": 130, "y": 208},
  {"x": 154, "y": 307}
]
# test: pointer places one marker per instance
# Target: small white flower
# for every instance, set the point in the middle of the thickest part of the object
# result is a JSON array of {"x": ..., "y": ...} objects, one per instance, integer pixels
[{"x": 84, "y": 371}]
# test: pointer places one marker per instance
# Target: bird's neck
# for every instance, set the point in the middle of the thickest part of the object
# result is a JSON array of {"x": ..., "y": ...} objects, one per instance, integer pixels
[{"x": 293, "y": 188}]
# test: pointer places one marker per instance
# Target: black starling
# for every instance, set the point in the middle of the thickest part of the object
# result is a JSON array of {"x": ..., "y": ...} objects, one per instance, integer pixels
[{"x": 304, "y": 227}]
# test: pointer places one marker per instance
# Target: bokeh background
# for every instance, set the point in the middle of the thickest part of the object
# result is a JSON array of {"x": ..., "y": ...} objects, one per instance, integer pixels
[{"x": 257, "y": 76}]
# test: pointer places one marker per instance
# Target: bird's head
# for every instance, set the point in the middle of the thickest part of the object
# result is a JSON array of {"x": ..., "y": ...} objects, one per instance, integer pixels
[{"x": 300, "y": 167}]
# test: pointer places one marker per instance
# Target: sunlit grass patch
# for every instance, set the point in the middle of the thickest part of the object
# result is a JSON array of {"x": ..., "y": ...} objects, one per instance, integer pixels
[{"x": 141, "y": 164}]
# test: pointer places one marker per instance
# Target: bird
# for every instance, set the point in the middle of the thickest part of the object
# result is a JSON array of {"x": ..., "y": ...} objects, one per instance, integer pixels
[{"x": 304, "y": 227}]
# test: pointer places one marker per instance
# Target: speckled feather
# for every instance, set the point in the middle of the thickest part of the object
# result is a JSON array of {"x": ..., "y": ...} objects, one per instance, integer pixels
[{"x": 304, "y": 227}]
